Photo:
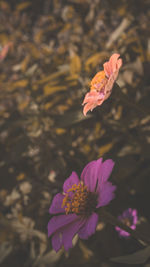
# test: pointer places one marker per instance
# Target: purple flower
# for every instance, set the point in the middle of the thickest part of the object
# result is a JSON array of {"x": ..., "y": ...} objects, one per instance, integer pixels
[
  {"x": 75, "y": 209},
  {"x": 129, "y": 217}
]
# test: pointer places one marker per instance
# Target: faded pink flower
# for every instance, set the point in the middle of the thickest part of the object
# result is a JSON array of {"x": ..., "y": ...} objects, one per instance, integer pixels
[
  {"x": 130, "y": 218},
  {"x": 102, "y": 83}
]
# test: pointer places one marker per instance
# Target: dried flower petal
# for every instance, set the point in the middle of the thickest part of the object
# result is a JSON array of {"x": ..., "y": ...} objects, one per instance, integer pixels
[{"x": 102, "y": 83}]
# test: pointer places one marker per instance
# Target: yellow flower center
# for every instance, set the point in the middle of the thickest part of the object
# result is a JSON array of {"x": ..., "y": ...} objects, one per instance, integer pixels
[
  {"x": 79, "y": 200},
  {"x": 99, "y": 81}
]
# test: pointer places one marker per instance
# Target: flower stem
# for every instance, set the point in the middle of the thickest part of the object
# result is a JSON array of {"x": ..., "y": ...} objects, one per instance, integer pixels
[{"x": 107, "y": 217}]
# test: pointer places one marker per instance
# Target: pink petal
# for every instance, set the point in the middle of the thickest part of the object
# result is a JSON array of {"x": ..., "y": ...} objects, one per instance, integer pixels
[
  {"x": 91, "y": 173},
  {"x": 88, "y": 106},
  {"x": 89, "y": 228},
  {"x": 56, "y": 206},
  {"x": 112, "y": 65},
  {"x": 92, "y": 99},
  {"x": 59, "y": 221},
  {"x": 73, "y": 179},
  {"x": 106, "y": 194}
]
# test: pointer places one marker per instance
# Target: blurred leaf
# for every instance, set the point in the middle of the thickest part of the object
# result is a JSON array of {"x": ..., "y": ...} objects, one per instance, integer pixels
[
  {"x": 60, "y": 131},
  {"x": 24, "y": 63},
  {"x": 75, "y": 64},
  {"x": 38, "y": 36},
  {"x": 138, "y": 257},
  {"x": 20, "y": 177},
  {"x": 22, "y": 6},
  {"x": 72, "y": 77},
  {"x": 33, "y": 49},
  {"x": 51, "y": 77},
  {"x": 94, "y": 60},
  {"x": 20, "y": 83},
  {"x": 104, "y": 149},
  {"x": 49, "y": 90},
  {"x": 4, "y": 39},
  {"x": 23, "y": 105}
]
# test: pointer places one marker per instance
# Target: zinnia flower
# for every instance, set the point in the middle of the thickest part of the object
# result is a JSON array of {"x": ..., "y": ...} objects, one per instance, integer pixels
[
  {"x": 75, "y": 208},
  {"x": 129, "y": 217},
  {"x": 102, "y": 83}
]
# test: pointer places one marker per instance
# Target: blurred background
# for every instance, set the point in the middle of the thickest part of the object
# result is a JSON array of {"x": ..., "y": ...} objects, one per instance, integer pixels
[{"x": 49, "y": 52}]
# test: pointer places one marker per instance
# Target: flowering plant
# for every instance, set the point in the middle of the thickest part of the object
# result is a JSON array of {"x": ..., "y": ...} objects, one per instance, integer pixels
[
  {"x": 102, "y": 83},
  {"x": 128, "y": 217},
  {"x": 75, "y": 208}
]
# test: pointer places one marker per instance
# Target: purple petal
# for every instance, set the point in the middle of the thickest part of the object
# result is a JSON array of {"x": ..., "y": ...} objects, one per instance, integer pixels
[
  {"x": 89, "y": 228},
  {"x": 57, "y": 241},
  {"x": 106, "y": 194},
  {"x": 70, "y": 230},
  {"x": 126, "y": 214},
  {"x": 135, "y": 217},
  {"x": 91, "y": 173},
  {"x": 56, "y": 206},
  {"x": 59, "y": 221},
  {"x": 121, "y": 232},
  {"x": 133, "y": 227},
  {"x": 73, "y": 179},
  {"x": 106, "y": 170}
]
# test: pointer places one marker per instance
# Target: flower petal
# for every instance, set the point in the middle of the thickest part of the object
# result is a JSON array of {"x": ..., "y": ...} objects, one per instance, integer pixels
[
  {"x": 92, "y": 99},
  {"x": 91, "y": 173},
  {"x": 106, "y": 169},
  {"x": 57, "y": 241},
  {"x": 73, "y": 179},
  {"x": 89, "y": 228},
  {"x": 56, "y": 206},
  {"x": 106, "y": 194},
  {"x": 70, "y": 230},
  {"x": 121, "y": 232},
  {"x": 112, "y": 65},
  {"x": 59, "y": 221},
  {"x": 110, "y": 84}
]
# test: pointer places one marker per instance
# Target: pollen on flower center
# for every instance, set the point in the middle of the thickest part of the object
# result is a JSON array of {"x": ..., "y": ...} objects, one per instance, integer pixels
[
  {"x": 99, "y": 81},
  {"x": 79, "y": 200}
]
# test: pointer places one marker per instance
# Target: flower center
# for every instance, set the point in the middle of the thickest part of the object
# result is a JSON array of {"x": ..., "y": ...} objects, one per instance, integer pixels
[
  {"x": 127, "y": 222},
  {"x": 99, "y": 81},
  {"x": 79, "y": 200}
]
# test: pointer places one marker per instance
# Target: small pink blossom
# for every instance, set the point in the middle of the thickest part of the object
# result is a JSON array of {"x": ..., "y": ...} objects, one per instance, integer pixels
[
  {"x": 102, "y": 83},
  {"x": 129, "y": 217}
]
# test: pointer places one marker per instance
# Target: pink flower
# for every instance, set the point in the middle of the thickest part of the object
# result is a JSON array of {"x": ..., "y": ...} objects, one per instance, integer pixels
[
  {"x": 130, "y": 218},
  {"x": 102, "y": 83},
  {"x": 75, "y": 209}
]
